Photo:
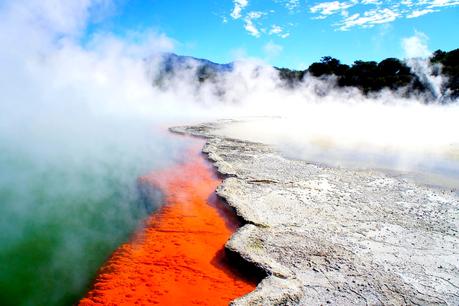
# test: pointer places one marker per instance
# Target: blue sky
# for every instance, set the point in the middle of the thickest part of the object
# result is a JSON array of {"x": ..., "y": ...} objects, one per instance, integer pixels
[{"x": 289, "y": 33}]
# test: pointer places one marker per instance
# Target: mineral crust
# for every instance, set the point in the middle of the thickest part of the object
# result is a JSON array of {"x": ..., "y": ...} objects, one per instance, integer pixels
[{"x": 336, "y": 236}]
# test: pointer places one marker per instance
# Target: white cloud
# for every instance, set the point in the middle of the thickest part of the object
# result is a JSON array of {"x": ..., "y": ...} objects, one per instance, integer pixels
[
  {"x": 419, "y": 13},
  {"x": 251, "y": 28},
  {"x": 367, "y": 13},
  {"x": 278, "y": 31},
  {"x": 292, "y": 5},
  {"x": 416, "y": 46},
  {"x": 330, "y": 8},
  {"x": 346, "y": 14},
  {"x": 369, "y": 19},
  {"x": 275, "y": 29},
  {"x": 249, "y": 24},
  {"x": 257, "y": 26},
  {"x": 441, "y": 3},
  {"x": 255, "y": 15},
  {"x": 371, "y": 2},
  {"x": 239, "y": 5},
  {"x": 66, "y": 18}
]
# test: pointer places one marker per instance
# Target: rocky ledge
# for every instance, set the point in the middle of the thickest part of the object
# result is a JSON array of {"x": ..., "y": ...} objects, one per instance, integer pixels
[{"x": 335, "y": 236}]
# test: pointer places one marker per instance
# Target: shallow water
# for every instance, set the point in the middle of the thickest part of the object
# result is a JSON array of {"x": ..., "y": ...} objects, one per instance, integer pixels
[
  {"x": 178, "y": 258},
  {"x": 435, "y": 170},
  {"x": 431, "y": 165},
  {"x": 64, "y": 210}
]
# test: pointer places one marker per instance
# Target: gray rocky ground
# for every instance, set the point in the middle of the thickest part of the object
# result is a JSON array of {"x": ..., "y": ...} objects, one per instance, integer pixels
[{"x": 335, "y": 236}]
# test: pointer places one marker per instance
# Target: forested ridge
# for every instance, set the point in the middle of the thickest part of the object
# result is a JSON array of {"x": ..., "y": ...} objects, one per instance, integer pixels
[
  {"x": 406, "y": 77},
  {"x": 390, "y": 73}
]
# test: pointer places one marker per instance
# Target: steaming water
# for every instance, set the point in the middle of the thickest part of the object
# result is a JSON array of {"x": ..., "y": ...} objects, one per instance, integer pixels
[
  {"x": 432, "y": 169},
  {"x": 68, "y": 168},
  {"x": 435, "y": 167},
  {"x": 177, "y": 258},
  {"x": 61, "y": 215}
]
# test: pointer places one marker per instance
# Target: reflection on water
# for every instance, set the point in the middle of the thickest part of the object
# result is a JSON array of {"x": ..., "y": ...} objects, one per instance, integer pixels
[
  {"x": 434, "y": 163},
  {"x": 66, "y": 205},
  {"x": 178, "y": 257},
  {"x": 436, "y": 170}
]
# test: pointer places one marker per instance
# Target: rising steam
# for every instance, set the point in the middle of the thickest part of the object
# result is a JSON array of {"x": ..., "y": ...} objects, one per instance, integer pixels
[{"x": 81, "y": 118}]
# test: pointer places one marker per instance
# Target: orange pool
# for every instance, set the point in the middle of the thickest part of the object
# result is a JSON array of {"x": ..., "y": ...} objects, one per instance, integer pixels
[{"x": 178, "y": 257}]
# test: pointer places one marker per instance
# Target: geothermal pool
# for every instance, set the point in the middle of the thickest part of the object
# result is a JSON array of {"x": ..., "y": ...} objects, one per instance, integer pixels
[
  {"x": 433, "y": 165},
  {"x": 178, "y": 257}
]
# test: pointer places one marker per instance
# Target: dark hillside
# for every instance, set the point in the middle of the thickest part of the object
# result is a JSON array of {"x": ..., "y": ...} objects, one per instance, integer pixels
[{"x": 368, "y": 76}]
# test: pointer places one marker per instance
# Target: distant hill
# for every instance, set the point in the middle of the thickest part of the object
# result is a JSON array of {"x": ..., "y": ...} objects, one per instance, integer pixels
[
  {"x": 369, "y": 76},
  {"x": 172, "y": 60},
  {"x": 204, "y": 70}
]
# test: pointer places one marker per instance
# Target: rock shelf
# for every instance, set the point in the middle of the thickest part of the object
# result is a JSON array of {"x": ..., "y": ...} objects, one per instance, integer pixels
[{"x": 335, "y": 236}]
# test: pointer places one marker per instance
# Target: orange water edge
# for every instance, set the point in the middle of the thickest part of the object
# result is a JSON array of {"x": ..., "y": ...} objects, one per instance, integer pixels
[{"x": 178, "y": 257}]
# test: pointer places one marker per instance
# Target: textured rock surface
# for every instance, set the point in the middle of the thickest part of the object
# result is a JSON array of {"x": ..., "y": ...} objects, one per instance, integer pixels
[{"x": 335, "y": 236}]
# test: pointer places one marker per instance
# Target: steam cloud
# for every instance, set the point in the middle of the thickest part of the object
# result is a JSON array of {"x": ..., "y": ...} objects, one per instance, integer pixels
[{"x": 80, "y": 119}]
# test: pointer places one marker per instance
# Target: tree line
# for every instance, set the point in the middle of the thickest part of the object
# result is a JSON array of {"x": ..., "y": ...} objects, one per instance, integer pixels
[{"x": 390, "y": 73}]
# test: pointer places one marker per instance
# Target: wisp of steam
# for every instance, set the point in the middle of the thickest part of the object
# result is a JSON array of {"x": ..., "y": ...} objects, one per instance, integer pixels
[{"x": 81, "y": 119}]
